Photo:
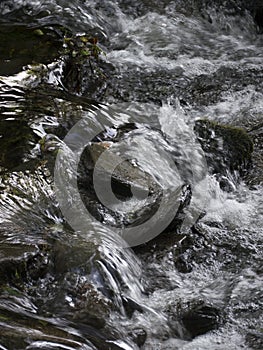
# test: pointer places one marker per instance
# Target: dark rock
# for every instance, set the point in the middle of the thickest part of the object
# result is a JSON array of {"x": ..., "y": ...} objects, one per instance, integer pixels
[
  {"x": 49, "y": 345},
  {"x": 139, "y": 336},
  {"x": 22, "y": 45},
  {"x": 126, "y": 176},
  {"x": 227, "y": 148},
  {"x": 17, "y": 136},
  {"x": 71, "y": 289},
  {"x": 171, "y": 236},
  {"x": 255, "y": 340},
  {"x": 185, "y": 200},
  {"x": 258, "y": 16},
  {"x": 130, "y": 306},
  {"x": 185, "y": 251},
  {"x": 42, "y": 333},
  {"x": 255, "y": 7},
  {"x": 91, "y": 307},
  {"x": 156, "y": 86},
  {"x": 200, "y": 319},
  {"x": 84, "y": 73},
  {"x": 234, "y": 8},
  {"x": 208, "y": 89},
  {"x": 194, "y": 318},
  {"x": 21, "y": 262},
  {"x": 255, "y": 129},
  {"x": 128, "y": 180},
  {"x": 183, "y": 263}
]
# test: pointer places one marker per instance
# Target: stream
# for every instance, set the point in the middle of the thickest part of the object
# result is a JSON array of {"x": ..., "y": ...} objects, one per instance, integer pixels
[{"x": 131, "y": 162}]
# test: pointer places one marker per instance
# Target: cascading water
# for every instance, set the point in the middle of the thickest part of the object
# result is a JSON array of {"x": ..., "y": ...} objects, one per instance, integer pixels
[{"x": 68, "y": 279}]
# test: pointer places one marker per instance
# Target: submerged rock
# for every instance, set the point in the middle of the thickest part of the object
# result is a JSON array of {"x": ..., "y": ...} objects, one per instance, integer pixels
[
  {"x": 125, "y": 174},
  {"x": 210, "y": 89},
  {"x": 21, "y": 260},
  {"x": 115, "y": 187},
  {"x": 91, "y": 307},
  {"x": 53, "y": 278}
]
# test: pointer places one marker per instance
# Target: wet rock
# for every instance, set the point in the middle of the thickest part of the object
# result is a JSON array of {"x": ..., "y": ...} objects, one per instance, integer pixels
[
  {"x": 156, "y": 86},
  {"x": 256, "y": 9},
  {"x": 49, "y": 345},
  {"x": 71, "y": 285},
  {"x": 91, "y": 307},
  {"x": 70, "y": 289},
  {"x": 21, "y": 262},
  {"x": 258, "y": 16},
  {"x": 15, "y": 142},
  {"x": 200, "y": 319},
  {"x": 130, "y": 306},
  {"x": 69, "y": 252},
  {"x": 195, "y": 318},
  {"x": 229, "y": 8},
  {"x": 139, "y": 336},
  {"x": 171, "y": 236},
  {"x": 127, "y": 179},
  {"x": 183, "y": 262},
  {"x": 54, "y": 268},
  {"x": 104, "y": 165},
  {"x": 125, "y": 174},
  {"x": 185, "y": 199},
  {"x": 22, "y": 45},
  {"x": 20, "y": 331},
  {"x": 227, "y": 148}
]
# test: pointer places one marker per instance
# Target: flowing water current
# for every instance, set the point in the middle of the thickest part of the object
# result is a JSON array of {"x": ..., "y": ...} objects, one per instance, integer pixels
[{"x": 68, "y": 280}]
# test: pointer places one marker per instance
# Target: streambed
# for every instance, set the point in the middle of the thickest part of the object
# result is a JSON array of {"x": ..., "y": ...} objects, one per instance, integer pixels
[{"x": 67, "y": 282}]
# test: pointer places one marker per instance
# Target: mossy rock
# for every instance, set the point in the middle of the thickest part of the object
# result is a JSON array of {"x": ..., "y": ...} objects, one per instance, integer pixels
[
  {"x": 227, "y": 148},
  {"x": 21, "y": 46}
]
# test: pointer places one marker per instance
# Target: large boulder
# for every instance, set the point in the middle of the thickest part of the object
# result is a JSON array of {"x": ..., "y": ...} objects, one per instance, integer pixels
[{"x": 127, "y": 180}]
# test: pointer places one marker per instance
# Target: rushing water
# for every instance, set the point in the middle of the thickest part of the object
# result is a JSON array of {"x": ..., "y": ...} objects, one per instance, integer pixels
[{"x": 66, "y": 280}]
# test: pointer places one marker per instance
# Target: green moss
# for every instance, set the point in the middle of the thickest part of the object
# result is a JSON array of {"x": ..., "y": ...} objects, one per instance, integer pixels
[
  {"x": 4, "y": 318},
  {"x": 10, "y": 290},
  {"x": 224, "y": 145},
  {"x": 38, "y": 32}
]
